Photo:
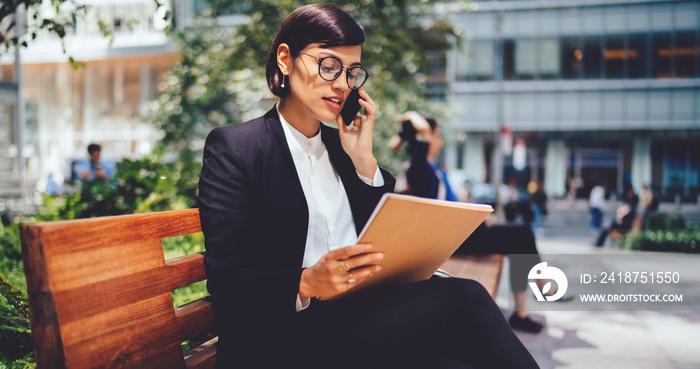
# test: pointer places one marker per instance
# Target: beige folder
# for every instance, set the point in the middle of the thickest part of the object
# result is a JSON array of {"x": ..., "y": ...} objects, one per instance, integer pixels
[{"x": 416, "y": 236}]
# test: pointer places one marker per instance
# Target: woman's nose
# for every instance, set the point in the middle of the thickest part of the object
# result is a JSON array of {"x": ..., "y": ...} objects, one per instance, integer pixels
[{"x": 341, "y": 82}]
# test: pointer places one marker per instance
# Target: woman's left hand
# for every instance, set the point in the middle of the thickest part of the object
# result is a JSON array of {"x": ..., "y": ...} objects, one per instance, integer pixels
[{"x": 357, "y": 141}]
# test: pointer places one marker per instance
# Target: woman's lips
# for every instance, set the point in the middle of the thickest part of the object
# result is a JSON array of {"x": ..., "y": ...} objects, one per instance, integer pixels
[{"x": 333, "y": 102}]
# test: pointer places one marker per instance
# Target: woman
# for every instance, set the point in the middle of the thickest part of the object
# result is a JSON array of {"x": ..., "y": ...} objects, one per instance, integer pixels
[
  {"x": 282, "y": 198},
  {"x": 426, "y": 178}
]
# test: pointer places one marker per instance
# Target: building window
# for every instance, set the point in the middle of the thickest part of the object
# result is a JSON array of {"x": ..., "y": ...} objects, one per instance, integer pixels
[
  {"x": 436, "y": 75},
  {"x": 637, "y": 57},
  {"x": 548, "y": 56},
  {"x": 571, "y": 58},
  {"x": 509, "y": 60},
  {"x": 662, "y": 55},
  {"x": 475, "y": 61},
  {"x": 615, "y": 54},
  {"x": 537, "y": 59},
  {"x": 526, "y": 59},
  {"x": 686, "y": 55},
  {"x": 675, "y": 166},
  {"x": 592, "y": 56},
  {"x": 694, "y": 167}
]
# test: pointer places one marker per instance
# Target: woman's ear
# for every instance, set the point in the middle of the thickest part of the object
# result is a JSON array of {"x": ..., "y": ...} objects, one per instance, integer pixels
[{"x": 284, "y": 58}]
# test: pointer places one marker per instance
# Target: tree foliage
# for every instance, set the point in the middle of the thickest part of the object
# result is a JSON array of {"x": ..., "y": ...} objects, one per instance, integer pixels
[
  {"x": 56, "y": 17},
  {"x": 15, "y": 334},
  {"x": 220, "y": 78}
]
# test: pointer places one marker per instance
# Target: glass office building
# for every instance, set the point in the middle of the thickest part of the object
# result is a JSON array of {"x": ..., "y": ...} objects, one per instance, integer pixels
[{"x": 605, "y": 91}]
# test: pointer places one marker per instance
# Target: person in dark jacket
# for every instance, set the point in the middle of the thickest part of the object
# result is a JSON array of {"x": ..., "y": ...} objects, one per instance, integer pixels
[{"x": 282, "y": 199}]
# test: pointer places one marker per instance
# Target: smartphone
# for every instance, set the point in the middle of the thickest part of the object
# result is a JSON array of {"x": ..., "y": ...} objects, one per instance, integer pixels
[{"x": 351, "y": 107}]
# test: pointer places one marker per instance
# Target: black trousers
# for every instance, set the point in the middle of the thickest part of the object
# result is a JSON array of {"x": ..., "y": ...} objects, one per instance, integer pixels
[
  {"x": 506, "y": 239},
  {"x": 438, "y": 323}
]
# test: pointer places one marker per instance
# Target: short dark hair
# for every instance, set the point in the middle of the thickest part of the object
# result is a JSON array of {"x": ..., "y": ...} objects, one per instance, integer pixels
[
  {"x": 408, "y": 133},
  {"x": 94, "y": 147},
  {"x": 323, "y": 24}
]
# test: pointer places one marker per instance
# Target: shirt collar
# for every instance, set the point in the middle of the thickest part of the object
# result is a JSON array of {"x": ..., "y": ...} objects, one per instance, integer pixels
[{"x": 308, "y": 143}]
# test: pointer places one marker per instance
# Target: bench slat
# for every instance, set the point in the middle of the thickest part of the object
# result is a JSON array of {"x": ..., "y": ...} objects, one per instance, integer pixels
[
  {"x": 96, "y": 298},
  {"x": 202, "y": 357},
  {"x": 195, "y": 318}
]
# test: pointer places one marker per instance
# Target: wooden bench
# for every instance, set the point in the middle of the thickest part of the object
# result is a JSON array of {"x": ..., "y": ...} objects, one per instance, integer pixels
[{"x": 100, "y": 293}]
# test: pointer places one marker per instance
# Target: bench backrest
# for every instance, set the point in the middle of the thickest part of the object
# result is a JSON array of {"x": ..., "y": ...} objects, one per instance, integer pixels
[{"x": 100, "y": 292}]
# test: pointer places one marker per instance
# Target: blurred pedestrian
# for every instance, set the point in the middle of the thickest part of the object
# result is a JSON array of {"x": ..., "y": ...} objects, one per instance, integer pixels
[
  {"x": 648, "y": 205},
  {"x": 512, "y": 199},
  {"x": 52, "y": 187},
  {"x": 95, "y": 167},
  {"x": 624, "y": 219},
  {"x": 596, "y": 201},
  {"x": 539, "y": 208}
]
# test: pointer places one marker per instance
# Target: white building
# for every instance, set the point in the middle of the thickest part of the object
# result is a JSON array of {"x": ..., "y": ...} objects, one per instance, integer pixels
[{"x": 101, "y": 102}]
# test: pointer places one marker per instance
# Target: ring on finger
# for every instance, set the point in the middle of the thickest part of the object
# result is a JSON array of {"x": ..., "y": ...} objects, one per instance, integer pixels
[
  {"x": 344, "y": 266},
  {"x": 351, "y": 279}
]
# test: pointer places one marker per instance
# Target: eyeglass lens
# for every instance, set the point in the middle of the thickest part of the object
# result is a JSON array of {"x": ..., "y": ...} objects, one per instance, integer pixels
[{"x": 331, "y": 68}]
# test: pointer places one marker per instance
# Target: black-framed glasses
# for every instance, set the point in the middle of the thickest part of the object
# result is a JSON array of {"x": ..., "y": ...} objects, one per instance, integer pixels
[{"x": 330, "y": 68}]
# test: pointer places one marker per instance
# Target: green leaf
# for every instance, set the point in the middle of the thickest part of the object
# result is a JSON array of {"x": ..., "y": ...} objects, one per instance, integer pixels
[{"x": 14, "y": 297}]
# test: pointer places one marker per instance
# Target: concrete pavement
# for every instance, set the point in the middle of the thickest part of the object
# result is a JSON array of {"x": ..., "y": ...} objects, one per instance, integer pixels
[{"x": 609, "y": 339}]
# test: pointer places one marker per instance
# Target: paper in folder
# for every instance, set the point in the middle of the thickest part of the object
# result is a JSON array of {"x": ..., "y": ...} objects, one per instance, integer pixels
[{"x": 416, "y": 236}]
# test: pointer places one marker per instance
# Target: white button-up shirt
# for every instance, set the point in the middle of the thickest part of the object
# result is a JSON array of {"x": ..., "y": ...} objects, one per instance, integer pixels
[{"x": 331, "y": 224}]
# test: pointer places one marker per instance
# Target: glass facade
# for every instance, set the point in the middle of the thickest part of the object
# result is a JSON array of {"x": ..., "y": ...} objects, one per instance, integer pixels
[
  {"x": 599, "y": 77},
  {"x": 579, "y": 48},
  {"x": 659, "y": 55}
]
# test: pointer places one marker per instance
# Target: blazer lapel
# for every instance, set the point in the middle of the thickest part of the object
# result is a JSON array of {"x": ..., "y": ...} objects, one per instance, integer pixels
[{"x": 274, "y": 128}]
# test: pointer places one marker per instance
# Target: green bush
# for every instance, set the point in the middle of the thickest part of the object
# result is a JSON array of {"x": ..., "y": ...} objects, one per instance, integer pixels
[
  {"x": 15, "y": 334},
  {"x": 664, "y": 232},
  {"x": 138, "y": 186},
  {"x": 665, "y": 221}
]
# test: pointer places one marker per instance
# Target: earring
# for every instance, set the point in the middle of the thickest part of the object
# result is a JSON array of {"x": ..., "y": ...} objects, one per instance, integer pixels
[{"x": 282, "y": 85}]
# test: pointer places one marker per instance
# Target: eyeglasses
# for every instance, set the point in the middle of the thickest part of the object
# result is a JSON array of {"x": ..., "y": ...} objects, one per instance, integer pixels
[{"x": 330, "y": 68}]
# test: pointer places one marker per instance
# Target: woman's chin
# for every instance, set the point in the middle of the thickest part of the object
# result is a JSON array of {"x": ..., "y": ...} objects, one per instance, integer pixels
[{"x": 328, "y": 118}]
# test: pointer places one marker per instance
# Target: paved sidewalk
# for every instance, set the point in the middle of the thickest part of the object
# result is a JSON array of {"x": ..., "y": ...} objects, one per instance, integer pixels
[{"x": 610, "y": 339}]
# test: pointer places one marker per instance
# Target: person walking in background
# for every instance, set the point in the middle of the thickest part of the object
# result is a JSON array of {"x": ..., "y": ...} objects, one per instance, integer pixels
[
  {"x": 596, "y": 201},
  {"x": 512, "y": 200},
  {"x": 94, "y": 167},
  {"x": 427, "y": 179},
  {"x": 539, "y": 208},
  {"x": 518, "y": 203},
  {"x": 424, "y": 176}
]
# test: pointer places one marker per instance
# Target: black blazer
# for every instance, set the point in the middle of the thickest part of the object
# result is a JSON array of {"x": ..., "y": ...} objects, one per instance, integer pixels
[{"x": 255, "y": 218}]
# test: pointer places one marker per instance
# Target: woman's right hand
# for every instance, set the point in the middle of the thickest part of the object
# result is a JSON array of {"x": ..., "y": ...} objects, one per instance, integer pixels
[{"x": 339, "y": 271}]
